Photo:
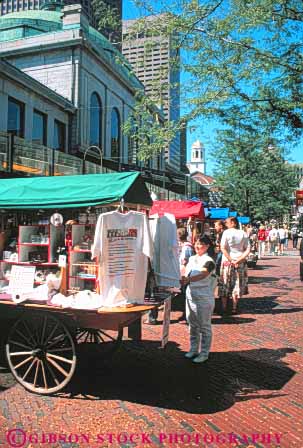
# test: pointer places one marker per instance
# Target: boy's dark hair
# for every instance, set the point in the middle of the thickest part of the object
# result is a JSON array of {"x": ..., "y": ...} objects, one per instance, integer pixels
[{"x": 204, "y": 239}]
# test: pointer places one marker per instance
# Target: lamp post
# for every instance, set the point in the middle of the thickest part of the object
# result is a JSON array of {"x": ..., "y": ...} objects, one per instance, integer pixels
[{"x": 100, "y": 154}]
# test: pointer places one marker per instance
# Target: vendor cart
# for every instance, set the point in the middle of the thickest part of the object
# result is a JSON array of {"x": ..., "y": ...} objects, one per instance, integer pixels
[{"x": 42, "y": 342}]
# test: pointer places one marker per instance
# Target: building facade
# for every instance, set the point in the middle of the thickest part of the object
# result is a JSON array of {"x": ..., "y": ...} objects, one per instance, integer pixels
[
  {"x": 64, "y": 97},
  {"x": 151, "y": 57},
  {"x": 114, "y": 35},
  {"x": 68, "y": 56}
]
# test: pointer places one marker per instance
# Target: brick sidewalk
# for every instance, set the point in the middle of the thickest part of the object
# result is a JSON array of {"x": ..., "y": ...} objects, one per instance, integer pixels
[{"x": 252, "y": 385}]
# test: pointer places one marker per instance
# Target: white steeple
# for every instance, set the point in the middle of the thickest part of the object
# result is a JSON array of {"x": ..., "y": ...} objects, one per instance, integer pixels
[{"x": 197, "y": 160}]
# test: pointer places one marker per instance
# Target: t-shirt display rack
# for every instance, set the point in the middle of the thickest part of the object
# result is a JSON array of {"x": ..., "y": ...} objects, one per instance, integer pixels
[{"x": 39, "y": 242}]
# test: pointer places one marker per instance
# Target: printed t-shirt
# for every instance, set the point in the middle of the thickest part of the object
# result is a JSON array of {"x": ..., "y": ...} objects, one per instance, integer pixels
[
  {"x": 205, "y": 287},
  {"x": 123, "y": 244},
  {"x": 165, "y": 258},
  {"x": 235, "y": 241}
]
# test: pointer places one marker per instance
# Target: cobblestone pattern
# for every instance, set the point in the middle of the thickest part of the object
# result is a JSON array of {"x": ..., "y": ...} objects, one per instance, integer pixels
[{"x": 251, "y": 386}]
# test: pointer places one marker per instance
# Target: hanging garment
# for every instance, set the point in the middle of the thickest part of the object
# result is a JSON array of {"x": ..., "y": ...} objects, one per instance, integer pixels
[
  {"x": 165, "y": 260},
  {"x": 122, "y": 244}
]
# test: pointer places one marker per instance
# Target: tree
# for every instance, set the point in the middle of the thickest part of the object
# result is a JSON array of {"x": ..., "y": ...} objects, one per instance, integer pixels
[
  {"x": 236, "y": 55},
  {"x": 254, "y": 177}
]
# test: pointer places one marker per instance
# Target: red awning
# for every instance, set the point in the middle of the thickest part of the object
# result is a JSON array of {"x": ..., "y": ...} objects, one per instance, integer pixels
[{"x": 180, "y": 209}]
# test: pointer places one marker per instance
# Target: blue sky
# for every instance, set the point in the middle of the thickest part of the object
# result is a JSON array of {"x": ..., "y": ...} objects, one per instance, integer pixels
[{"x": 205, "y": 130}]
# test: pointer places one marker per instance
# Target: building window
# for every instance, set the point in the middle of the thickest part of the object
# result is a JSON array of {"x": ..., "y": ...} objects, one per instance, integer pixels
[
  {"x": 95, "y": 120},
  {"x": 115, "y": 135},
  {"x": 59, "y": 135},
  {"x": 15, "y": 121},
  {"x": 39, "y": 128}
]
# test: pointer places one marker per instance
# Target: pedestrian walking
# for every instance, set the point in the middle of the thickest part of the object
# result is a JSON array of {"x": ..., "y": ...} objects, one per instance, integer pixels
[
  {"x": 267, "y": 243},
  {"x": 273, "y": 240},
  {"x": 200, "y": 279},
  {"x": 287, "y": 236},
  {"x": 282, "y": 238},
  {"x": 233, "y": 279},
  {"x": 294, "y": 236},
  {"x": 261, "y": 241}
]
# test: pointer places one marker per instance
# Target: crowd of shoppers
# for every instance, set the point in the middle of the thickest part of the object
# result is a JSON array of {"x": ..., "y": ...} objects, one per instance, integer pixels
[{"x": 204, "y": 263}]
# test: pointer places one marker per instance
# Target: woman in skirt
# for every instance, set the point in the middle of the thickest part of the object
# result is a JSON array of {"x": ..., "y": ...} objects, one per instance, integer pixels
[{"x": 233, "y": 277}]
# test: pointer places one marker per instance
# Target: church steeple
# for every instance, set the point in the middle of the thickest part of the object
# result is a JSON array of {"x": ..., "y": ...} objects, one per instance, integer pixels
[{"x": 197, "y": 160}]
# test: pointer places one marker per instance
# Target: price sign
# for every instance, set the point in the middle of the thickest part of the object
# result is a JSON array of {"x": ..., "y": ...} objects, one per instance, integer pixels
[{"x": 21, "y": 279}]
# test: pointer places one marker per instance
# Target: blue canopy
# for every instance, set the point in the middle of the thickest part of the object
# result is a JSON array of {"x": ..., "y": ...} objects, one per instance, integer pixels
[
  {"x": 218, "y": 213},
  {"x": 243, "y": 219},
  {"x": 233, "y": 214}
]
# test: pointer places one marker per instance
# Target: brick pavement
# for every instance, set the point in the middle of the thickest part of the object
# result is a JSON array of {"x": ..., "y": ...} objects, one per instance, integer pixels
[{"x": 251, "y": 386}]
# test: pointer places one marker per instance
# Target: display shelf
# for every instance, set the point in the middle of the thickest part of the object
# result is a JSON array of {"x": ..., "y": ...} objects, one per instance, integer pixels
[
  {"x": 26, "y": 263},
  {"x": 79, "y": 258},
  {"x": 38, "y": 243}
]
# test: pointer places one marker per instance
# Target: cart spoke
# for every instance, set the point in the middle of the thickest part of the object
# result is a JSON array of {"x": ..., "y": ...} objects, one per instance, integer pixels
[
  {"x": 106, "y": 335},
  {"x": 60, "y": 349},
  {"x": 57, "y": 340},
  {"x": 60, "y": 358},
  {"x": 44, "y": 376},
  {"x": 19, "y": 344},
  {"x": 61, "y": 370},
  {"x": 30, "y": 368},
  {"x": 48, "y": 366},
  {"x": 21, "y": 353},
  {"x": 36, "y": 372},
  {"x": 23, "y": 362},
  {"x": 30, "y": 335},
  {"x": 22, "y": 336},
  {"x": 51, "y": 333}
]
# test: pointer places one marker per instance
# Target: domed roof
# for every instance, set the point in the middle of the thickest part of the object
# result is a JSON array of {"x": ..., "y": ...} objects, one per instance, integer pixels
[{"x": 49, "y": 16}]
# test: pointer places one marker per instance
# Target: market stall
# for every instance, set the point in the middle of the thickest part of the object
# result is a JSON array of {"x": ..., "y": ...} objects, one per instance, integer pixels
[
  {"x": 56, "y": 221},
  {"x": 180, "y": 209}
]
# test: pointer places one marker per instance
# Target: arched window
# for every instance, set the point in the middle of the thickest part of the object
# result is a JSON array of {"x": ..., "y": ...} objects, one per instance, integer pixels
[
  {"x": 95, "y": 120},
  {"x": 115, "y": 135}
]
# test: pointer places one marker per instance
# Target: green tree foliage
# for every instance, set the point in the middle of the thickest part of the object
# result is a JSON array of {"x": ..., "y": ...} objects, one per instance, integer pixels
[
  {"x": 235, "y": 55},
  {"x": 106, "y": 16},
  {"x": 253, "y": 175}
]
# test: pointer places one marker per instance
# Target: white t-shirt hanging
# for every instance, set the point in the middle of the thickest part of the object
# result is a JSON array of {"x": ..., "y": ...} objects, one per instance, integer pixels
[
  {"x": 166, "y": 251},
  {"x": 123, "y": 244}
]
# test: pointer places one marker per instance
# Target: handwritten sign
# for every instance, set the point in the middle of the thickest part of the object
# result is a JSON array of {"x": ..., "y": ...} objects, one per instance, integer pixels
[{"x": 21, "y": 279}]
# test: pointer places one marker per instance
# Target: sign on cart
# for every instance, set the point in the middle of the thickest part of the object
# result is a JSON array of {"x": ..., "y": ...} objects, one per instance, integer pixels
[{"x": 166, "y": 321}]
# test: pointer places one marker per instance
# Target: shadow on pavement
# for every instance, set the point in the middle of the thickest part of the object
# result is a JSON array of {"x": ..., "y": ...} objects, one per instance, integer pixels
[
  {"x": 266, "y": 305},
  {"x": 262, "y": 267},
  {"x": 142, "y": 373},
  {"x": 257, "y": 280}
]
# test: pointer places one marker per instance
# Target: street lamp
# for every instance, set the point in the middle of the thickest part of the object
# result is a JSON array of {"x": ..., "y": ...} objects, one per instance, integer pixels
[{"x": 100, "y": 154}]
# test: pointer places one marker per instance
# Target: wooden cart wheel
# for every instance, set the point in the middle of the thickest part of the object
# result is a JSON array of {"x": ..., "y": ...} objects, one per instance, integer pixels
[
  {"x": 105, "y": 341},
  {"x": 41, "y": 353}
]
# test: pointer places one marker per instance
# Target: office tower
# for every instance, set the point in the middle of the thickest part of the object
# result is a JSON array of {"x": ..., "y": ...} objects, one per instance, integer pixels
[
  {"x": 114, "y": 35},
  {"x": 156, "y": 64}
]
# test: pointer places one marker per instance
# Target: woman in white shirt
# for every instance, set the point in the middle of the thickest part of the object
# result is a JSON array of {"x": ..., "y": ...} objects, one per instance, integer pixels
[{"x": 235, "y": 248}]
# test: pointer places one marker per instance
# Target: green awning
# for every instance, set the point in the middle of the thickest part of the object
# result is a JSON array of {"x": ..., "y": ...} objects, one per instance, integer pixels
[{"x": 73, "y": 191}]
